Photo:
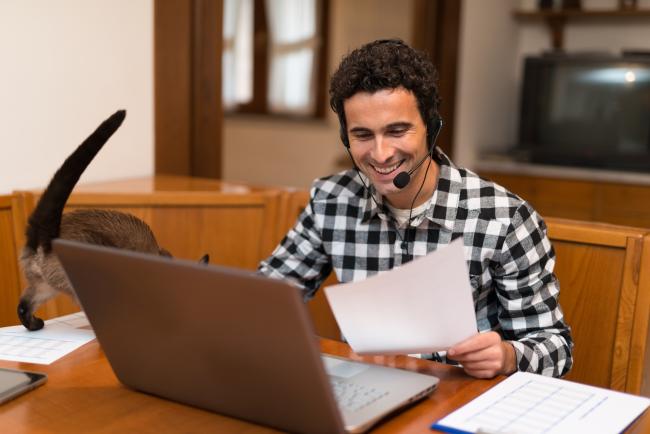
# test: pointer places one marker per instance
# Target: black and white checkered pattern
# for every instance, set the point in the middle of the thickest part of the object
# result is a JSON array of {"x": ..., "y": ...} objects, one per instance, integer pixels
[{"x": 509, "y": 256}]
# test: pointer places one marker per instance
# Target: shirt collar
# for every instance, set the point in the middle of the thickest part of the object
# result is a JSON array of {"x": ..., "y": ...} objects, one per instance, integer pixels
[
  {"x": 374, "y": 206},
  {"x": 444, "y": 202},
  {"x": 446, "y": 196}
]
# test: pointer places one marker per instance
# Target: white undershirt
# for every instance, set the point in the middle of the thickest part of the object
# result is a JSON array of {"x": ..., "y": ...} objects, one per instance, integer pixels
[{"x": 402, "y": 215}]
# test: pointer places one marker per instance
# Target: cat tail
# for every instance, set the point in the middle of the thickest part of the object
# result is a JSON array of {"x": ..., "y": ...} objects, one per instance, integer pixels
[{"x": 45, "y": 222}]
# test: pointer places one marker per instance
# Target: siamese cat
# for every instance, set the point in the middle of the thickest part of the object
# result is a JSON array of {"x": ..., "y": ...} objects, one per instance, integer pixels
[{"x": 43, "y": 271}]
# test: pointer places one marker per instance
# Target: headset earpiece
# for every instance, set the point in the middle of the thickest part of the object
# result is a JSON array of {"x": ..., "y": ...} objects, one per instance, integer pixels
[
  {"x": 433, "y": 129},
  {"x": 344, "y": 136},
  {"x": 343, "y": 130}
]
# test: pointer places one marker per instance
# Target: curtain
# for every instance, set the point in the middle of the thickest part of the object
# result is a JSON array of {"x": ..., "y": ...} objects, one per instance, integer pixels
[
  {"x": 237, "y": 60},
  {"x": 293, "y": 45}
]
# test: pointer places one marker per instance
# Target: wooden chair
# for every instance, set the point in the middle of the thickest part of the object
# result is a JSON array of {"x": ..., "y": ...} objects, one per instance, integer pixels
[
  {"x": 235, "y": 224},
  {"x": 604, "y": 272}
]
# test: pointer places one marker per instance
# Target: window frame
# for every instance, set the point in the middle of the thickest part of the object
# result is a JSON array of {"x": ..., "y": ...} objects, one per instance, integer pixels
[{"x": 259, "y": 103}]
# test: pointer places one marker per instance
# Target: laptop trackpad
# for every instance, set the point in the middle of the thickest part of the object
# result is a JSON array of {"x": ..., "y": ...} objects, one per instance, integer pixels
[{"x": 342, "y": 368}]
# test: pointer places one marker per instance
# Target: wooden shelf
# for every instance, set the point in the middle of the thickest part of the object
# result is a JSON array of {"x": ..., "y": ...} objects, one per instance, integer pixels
[
  {"x": 556, "y": 19},
  {"x": 580, "y": 13}
]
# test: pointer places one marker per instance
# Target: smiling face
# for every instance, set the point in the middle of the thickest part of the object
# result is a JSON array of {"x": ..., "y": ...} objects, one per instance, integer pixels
[{"x": 387, "y": 136}]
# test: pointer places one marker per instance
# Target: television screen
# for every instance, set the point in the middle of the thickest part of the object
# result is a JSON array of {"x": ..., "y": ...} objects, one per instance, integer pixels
[{"x": 587, "y": 111}]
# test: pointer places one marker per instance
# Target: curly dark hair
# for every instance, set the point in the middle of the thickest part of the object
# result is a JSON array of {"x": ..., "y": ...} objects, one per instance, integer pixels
[{"x": 385, "y": 64}]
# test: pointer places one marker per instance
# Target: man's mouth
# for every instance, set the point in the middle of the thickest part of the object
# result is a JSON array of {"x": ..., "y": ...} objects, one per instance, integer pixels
[{"x": 387, "y": 169}]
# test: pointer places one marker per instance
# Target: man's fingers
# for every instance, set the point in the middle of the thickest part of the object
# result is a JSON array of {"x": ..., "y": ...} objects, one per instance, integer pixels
[
  {"x": 491, "y": 352},
  {"x": 475, "y": 343},
  {"x": 482, "y": 365}
]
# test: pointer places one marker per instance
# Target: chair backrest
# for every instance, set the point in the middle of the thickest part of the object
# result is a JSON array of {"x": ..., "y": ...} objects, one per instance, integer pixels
[
  {"x": 604, "y": 273},
  {"x": 11, "y": 236}
]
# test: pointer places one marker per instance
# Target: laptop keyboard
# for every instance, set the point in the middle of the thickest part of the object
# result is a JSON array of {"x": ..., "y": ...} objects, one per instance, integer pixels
[{"x": 354, "y": 397}]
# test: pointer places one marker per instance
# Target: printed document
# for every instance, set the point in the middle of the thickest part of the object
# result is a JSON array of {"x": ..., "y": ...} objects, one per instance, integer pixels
[
  {"x": 528, "y": 403},
  {"x": 59, "y": 337},
  {"x": 424, "y": 306}
]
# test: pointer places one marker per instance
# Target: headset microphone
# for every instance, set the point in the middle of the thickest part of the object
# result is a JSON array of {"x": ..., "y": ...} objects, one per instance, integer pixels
[{"x": 403, "y": 178}]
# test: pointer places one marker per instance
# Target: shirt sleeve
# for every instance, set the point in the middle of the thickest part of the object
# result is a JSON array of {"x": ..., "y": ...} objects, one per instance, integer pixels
[
  {"x": 529, "y": 313},
  {"x": 300, "y": 257}
]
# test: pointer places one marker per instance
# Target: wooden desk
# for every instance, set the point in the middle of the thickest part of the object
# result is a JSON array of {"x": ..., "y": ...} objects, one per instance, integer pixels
[{"x": 82, "y": 395}]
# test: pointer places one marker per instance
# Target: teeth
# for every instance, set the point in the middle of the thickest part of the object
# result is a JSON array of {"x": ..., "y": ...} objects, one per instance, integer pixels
[{"x": 386, "y": 170}]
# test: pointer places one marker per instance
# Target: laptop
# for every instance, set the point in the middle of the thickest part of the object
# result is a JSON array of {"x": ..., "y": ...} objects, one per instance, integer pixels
[{"x": 228, "y": 341}]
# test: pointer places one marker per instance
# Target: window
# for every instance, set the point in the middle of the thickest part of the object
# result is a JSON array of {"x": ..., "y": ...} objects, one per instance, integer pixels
[{"x": 273, "y": 56}]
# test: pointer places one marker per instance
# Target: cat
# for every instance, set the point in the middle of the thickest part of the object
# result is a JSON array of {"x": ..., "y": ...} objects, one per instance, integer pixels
[{"x": 43, "y": 271}]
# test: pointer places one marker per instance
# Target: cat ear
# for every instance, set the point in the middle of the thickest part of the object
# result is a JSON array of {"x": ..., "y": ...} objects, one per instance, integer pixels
[{"x": 205, "y": 259}]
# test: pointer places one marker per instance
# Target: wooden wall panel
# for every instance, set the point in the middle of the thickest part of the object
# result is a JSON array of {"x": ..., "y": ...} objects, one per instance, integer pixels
[{"x": 10, "y": 284}]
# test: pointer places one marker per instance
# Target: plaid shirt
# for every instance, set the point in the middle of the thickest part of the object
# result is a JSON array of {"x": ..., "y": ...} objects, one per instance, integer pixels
[{"x": 509, "y": 256}]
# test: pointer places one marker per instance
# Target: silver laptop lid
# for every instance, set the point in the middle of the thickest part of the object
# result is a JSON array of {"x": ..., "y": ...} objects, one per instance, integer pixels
[{"x": 205, "y": 336}]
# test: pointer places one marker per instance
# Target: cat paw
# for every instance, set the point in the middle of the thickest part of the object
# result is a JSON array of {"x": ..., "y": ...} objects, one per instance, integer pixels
[
  {"x": 27, "y": 318},
  {"x": 35, "y": 324}
]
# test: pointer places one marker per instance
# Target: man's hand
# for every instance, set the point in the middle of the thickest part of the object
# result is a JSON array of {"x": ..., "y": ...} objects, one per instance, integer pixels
[{"x": 485, "y": 355}]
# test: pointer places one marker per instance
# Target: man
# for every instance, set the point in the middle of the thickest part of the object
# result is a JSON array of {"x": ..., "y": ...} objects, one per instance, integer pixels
[{"x": 405, "y": 198}]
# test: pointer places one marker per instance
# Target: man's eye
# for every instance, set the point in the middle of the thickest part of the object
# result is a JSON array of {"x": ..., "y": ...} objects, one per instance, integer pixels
[
  {"x": 397, "y": 132},
  {"x": 363, "y": 136}
]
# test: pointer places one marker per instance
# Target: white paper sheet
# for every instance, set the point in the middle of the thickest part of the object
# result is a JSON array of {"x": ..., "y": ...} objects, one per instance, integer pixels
[
  {"x": 423, "y": 306},
  {"x": 527, "y": 403},
  {"x": 59, "y": 337}
]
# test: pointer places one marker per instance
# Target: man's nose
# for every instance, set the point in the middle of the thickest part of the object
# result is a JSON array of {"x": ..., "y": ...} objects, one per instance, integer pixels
[{"x": 382, "y": 151}]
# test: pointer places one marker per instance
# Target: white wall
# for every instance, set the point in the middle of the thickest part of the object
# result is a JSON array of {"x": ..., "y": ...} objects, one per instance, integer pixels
[
  {"x": 66, "y": 66},
  {"x": 486, "y": 94}
]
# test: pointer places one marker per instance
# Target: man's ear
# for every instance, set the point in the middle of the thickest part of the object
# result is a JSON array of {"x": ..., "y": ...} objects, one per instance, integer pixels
[{"x": 205, "y": 259}]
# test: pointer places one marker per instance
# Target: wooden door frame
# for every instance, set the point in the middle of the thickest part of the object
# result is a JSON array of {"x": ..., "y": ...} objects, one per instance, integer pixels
[
  {"x": 436, "y": 31},
  {"x": 187, "y": 87}
]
